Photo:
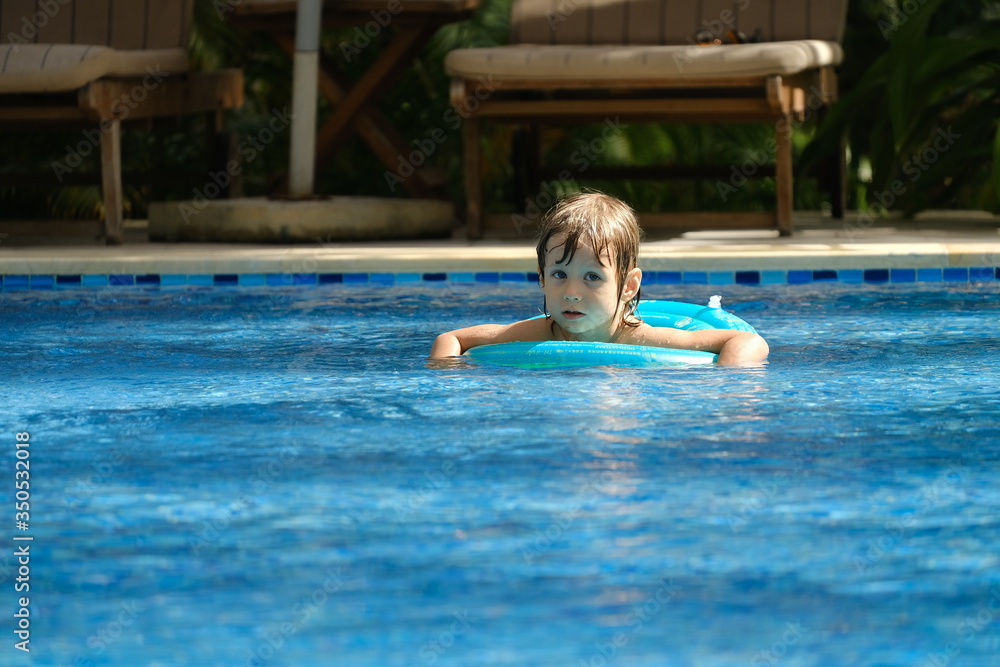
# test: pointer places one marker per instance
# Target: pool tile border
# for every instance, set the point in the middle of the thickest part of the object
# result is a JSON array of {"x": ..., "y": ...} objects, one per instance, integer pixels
[{"x": 873, "y": 276}]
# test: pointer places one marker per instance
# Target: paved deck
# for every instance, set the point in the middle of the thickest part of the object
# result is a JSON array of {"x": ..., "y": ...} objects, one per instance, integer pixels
[{"x": 933, "y": 240}]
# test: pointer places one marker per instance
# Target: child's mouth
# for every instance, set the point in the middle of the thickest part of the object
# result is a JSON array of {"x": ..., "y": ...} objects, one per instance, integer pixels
[{"x": 572, "y": 314}]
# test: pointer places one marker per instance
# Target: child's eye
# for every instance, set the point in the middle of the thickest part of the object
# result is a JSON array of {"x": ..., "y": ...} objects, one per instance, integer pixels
[
  {"x": 558, "y": 274},
  {"x": 592, "y": 276}
]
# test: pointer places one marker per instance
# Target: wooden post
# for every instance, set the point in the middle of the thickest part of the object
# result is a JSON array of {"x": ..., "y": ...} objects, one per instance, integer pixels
[
  {"x": 783, "y": 176},
  {"x": 111, "y": 177},
  {"x": 473, "y": 177}
]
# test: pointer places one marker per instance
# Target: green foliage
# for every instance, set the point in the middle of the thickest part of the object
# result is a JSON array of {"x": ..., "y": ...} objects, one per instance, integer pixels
[
  {"x": 906, "y": 78},
  {"x": 920, "y": 103}
]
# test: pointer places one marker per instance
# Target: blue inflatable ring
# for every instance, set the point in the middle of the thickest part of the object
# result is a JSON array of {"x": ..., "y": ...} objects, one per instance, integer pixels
[{"x": 569, "y": 354}]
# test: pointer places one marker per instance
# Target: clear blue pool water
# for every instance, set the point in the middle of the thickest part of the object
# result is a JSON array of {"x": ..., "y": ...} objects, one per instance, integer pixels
[{"x": 242, "y": 477}]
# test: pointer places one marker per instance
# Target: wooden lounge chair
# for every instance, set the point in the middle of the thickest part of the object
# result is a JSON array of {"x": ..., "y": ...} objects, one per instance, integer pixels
[
  {"x": 643, "y": 61},
  {"x": 103, "y": 62}
]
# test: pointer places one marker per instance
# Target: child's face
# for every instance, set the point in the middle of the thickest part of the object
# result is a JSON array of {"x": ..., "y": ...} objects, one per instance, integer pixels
[{"x": 582, "y": 295}]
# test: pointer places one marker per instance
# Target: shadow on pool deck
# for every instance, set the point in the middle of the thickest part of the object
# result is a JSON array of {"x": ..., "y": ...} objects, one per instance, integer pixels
[{"x": 934, "y": 240}]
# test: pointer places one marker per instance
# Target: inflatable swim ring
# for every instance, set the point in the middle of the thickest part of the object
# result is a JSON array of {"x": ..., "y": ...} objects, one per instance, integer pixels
[{"x": 569, "y": 354}]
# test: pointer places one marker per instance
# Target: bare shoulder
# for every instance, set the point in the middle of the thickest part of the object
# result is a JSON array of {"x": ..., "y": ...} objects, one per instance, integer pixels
[{"x": 526, "y": 330}]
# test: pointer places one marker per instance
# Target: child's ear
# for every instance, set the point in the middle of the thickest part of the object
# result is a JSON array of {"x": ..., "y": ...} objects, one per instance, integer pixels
[{"x": 633, "y": 280}]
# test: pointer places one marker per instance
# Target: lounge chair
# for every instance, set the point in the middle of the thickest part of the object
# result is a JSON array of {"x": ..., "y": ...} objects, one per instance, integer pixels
[
  {"x": 64, "y": 62},
  {"x": 654, "y": 61}
]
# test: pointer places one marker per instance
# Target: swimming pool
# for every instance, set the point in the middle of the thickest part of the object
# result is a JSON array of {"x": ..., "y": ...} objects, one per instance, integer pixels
[{"x": 272, "y": 476}]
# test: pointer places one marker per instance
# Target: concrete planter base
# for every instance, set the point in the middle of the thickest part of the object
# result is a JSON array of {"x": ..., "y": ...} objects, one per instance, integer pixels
[{"x": 285, "y": 221}]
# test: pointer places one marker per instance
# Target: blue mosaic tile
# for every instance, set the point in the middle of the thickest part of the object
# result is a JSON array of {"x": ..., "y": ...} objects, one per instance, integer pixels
[
  {"x": 799, "y": 277},
  {"x": 668, "y": 277},
  {"x": 956, "y": 275},
  {"x": 903, "y": 275},
  {"x": 981, "y": 273},
  {"x": 225, "y": 280},
  {"x": 876, "y": 275},
  {"x": 929, "y": 275},
  {"x": 852, "y": 276},
  {"x": 200, "y": 279},
  {"x": 278, "y": 279},
  {"x": 173, "y": 280},
  {"x": 148, "y": 279},
  {"x": 252, "y": 280},
  {"x": 749, "y": 277}
]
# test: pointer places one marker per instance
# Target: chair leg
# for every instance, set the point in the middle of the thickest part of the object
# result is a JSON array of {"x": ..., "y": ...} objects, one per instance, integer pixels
[
  {"x": 473, "y": 178},
  {"x": 834, "y": 171},
  {"x": 111, "y": 179},
  {"x": 783, "y": 176},
  {"x": 838, "y": 182}
]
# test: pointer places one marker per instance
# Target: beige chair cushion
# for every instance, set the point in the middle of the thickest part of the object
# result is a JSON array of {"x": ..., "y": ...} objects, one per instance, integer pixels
[
  {"x": 641, "y": 63},
  {"x": 45, "y": 68}
]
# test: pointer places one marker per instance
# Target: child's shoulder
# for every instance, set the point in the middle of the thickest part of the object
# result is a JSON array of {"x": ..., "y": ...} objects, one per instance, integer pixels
[{"x": 537, "y": 328}]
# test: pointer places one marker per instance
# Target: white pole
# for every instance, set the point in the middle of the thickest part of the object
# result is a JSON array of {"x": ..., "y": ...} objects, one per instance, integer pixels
[{"x": 304, "y": 81}]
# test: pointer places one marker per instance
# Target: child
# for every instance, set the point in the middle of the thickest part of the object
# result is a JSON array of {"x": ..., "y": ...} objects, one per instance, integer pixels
[{"x": 588, "y": 248}]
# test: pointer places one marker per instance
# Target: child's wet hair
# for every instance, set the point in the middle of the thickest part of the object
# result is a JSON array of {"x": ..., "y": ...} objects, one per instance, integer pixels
[{"x": 605, "y": 222}]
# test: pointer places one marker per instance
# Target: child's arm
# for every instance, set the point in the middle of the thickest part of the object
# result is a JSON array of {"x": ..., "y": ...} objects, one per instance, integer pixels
[
  {"x": 455, "y": 343},
  {"x": 733, "y": 347}
]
